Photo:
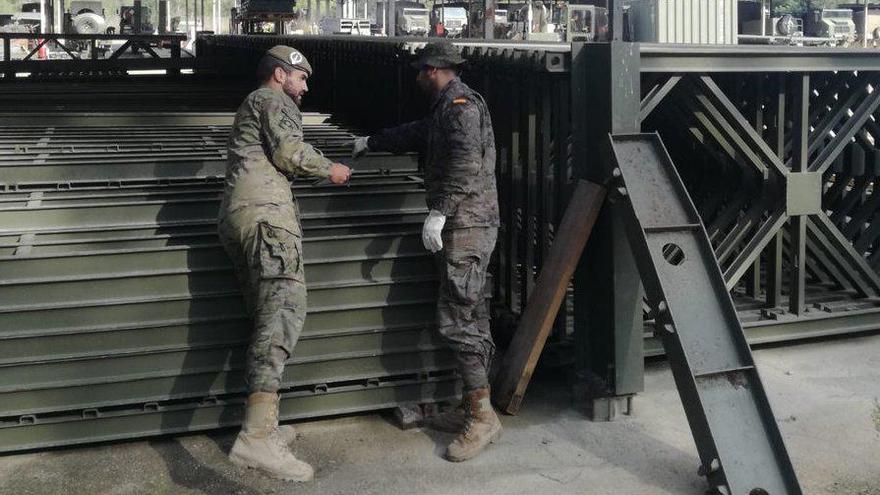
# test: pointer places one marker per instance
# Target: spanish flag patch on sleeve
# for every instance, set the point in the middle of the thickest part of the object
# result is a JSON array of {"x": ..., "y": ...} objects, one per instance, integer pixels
[{"x": 459, "y": 101}]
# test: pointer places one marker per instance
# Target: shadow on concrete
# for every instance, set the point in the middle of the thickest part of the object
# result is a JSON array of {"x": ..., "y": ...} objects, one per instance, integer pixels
[
  {"x": 440, "y": 439},
  {"x": 213, "y": 334},
  {"x": 651, "y": 460},
  {"x": 188, "y": 472}
]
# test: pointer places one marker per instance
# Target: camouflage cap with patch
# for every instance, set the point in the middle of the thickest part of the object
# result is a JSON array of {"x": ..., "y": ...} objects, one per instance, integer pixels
[
  {"x": 291, "y": 57},
  {"x": 439, "y": 54}
]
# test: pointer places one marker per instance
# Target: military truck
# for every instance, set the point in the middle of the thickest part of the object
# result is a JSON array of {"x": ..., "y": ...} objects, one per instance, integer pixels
[
  {"x": 413, "y": 21},
  {"x": 834, "y": 24},
  {"x": 411, "y": 18}
]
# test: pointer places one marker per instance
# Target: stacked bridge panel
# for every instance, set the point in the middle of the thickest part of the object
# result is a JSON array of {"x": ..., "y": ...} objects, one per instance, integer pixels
[{"x": 120, "y": 313}]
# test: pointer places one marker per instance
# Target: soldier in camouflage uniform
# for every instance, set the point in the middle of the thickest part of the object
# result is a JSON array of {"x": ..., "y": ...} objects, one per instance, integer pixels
[
  {"x": 458, "y": 146},
  {"x": 259, "y": 227}
]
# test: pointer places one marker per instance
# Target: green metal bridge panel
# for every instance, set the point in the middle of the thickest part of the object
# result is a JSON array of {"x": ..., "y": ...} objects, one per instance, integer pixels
[
  {"x": 163, "y": 419},
  {"x": 198, "y": 374},
  {"x": 73, "y": 341},
  {"x": 138, "y": 213},
  {"x": 380, "y": 258}
]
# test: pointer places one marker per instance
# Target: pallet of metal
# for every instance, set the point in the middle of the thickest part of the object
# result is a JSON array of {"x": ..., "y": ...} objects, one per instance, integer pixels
[{"x": 120, "y": 313}]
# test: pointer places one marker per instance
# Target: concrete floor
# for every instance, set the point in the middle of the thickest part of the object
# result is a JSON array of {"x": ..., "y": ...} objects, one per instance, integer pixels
[{"x": 826, "y": 397}]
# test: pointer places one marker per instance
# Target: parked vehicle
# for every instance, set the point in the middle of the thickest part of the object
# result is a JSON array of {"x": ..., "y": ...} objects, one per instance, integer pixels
[
  {"x": 340, "y": 25},
  {"x": 836, "y": 24},
  {"x": 411, "y": 18}
]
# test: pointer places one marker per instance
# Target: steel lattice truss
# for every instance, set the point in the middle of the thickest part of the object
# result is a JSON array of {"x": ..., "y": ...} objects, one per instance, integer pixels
[{"x": 782, "y": 168}]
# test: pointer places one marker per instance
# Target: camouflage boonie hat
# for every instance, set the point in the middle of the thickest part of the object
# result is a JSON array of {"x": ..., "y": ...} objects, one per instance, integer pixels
[
  {"x": 440, "y": 54},
  {"x": 291, "y": 57}
]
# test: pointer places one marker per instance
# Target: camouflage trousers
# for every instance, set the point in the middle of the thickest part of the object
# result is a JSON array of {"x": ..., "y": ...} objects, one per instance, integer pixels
[
  {"x": 463, "y": 304},
  {"x": 265, "y": 247}
]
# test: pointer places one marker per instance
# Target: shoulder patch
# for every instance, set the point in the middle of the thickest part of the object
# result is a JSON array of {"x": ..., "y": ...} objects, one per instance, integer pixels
[{"x": 459, "y": 101}]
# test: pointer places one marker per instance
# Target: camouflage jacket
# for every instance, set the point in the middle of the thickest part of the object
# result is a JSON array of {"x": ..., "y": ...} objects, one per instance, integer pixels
[
  {"x": 265, "y": 150},
  {"x": 458, "y": 146}
]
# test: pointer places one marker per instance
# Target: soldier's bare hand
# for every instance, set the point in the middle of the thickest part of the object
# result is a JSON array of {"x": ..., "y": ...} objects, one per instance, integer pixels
[{"x": 339, "y": 173}]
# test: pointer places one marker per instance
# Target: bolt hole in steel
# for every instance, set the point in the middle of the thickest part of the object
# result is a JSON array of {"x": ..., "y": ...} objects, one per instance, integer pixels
[
  {"x": 673, "y": 254},
  {"x": 758, "y": 491}
]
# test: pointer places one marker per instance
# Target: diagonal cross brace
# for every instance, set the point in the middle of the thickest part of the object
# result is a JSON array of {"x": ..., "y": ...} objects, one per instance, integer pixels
[
  {"x": 708, "y": 128},
  {"x": 739, "y": 443},
  {"x": 849, "y": 129},
  {"x": 724, "y": 132},
  {"x": 835, "y": 113},
  {"x": 827, "y": 228},
  {"x": 656, "y": 96},
  {"x": 756, "y": 143},
  {"x": 752, "y": 250}
]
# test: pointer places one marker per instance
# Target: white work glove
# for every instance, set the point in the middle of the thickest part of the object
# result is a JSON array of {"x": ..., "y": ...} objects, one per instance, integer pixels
[
  {"x": 360, "y": 147},
  {"x": 431, "y": 231}
]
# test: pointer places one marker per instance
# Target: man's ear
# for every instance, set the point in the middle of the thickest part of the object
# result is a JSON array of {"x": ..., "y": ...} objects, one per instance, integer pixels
[{"x": 279, "y": 75}]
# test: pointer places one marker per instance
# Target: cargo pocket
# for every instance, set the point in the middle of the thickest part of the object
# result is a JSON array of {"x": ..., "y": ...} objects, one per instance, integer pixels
[
  {"x": 280, "y": 253},
  {"x": 465, "y": 277}
]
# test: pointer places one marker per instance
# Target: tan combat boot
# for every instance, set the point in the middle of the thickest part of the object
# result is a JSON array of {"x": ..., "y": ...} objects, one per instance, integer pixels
[
  {"x": 260, "y": 445},
  {"x": 482, "y": 427},
  {"x": 451, "y": 421}
]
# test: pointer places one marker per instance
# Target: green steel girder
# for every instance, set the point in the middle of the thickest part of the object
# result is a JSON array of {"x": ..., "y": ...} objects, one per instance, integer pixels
[
  {"x": 158, "y": 418},
  {"x": 94, "y": 290},
  {"x": 183, "y": 307},
  {"x": 328, "y": 297},
  {"x": 116, "y": 120},
  {"x": 189, "y": 233},
  {"x": 336, "y": 204},
  {"x": 171, "y": 329},
  {"x": 741, "y": 59},
  {"x": 769, "y": 331},
  {"x": 117, "y": 263},
  {"x": 395, "y": 181},
  {"x": 32, "y": 176},
  {"x": 167, "y": 381}
]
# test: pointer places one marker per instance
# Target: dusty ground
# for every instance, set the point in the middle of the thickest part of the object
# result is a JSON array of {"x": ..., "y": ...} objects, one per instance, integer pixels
[{"x": 826, "y": 397}]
